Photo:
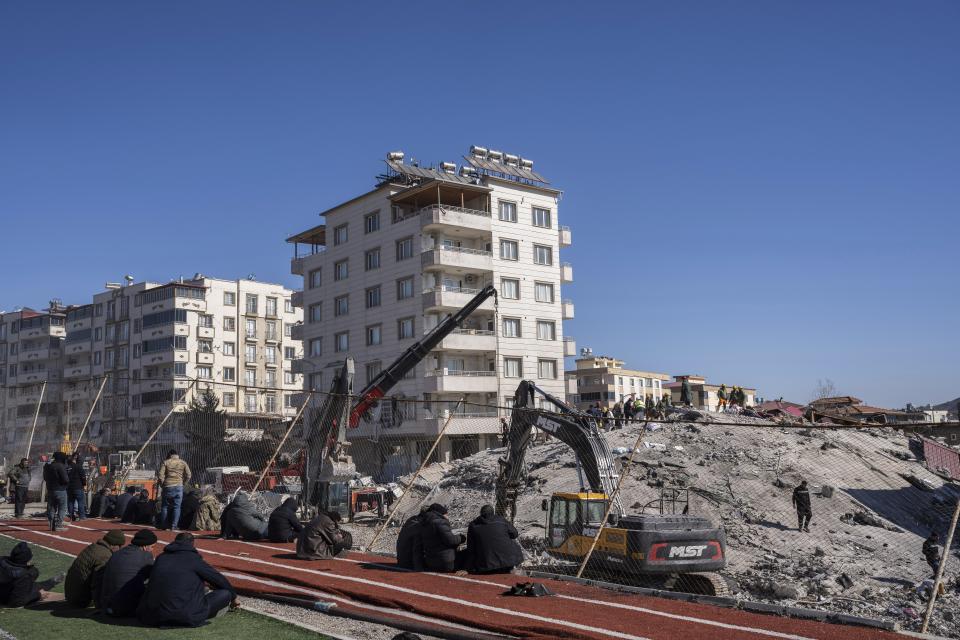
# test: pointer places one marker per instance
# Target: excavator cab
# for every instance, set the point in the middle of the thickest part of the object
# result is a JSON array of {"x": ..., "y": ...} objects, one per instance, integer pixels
[{"x": 573, "y": 521}]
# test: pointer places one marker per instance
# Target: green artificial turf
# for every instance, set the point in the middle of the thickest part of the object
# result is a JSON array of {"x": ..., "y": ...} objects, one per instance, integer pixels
[{"x": 58, "y": 620}]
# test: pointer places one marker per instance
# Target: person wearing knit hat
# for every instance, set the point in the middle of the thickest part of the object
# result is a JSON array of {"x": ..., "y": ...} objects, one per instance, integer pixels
[
  {"x": 84, "y": 575},
  {"x": 125, "y": 576},
  {"x": 18, "y": 578}
]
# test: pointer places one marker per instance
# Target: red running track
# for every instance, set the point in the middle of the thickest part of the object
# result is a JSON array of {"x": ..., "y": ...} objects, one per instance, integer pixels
[{"x": 365, "y": 582}]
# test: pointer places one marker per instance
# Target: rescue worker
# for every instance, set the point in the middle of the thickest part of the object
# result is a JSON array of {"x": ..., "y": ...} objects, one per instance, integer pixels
[
  {"x": 931, "y": 551},
  {"x": 686, "y": 395},
  {"x": 125, "y": 576},
  {"x": 648, "y": 408},
  {"x": 492, "y": 545},
  {"x": 322, "y": 538},
  {"x": 173, "y": 475},
  {"x": 439, "y": 541},
  {"x": 85, "y": 574},
  {"x": 722, "y": 398},
  {"x": 618, "y": 414},
  {"x": 410, "y": 542},
  {"x": 18, "y": 578},
  {"x": 283, "y": 525},
  {"x": 801, "y": 502},
  {"x": 19, "y": 482}
]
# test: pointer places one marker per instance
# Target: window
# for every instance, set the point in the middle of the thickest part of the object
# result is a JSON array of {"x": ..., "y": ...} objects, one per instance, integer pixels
[
  {"x": 97, "y": 334},
  {"x": 252, "y": 300},
  {"x": 288, "y": 329},
  {"x": 547, "y": 369},
  {"x": 373, "y": 370},
  {"x": 229, "y": 348},
  {"x": 179, "y": 369},
  {"x": 251, "y": 329},
  {"x": 270, "y": 402},
  {"x": 342, "y": 341},
  {"x": 508, "y": 211},
  {"x": 250, "y": 377},
  {"x": 371, "y": 222},
  {"x": 542, "y": 254},
  {"x": 373, "y": 297},
  {"x": 205, "y": 346},
  {"x": 405, "y": 288},
  {"x": 250, "y": 353},
  {"x": 543, "y": 292},
  {"x": 271, "y": 332},
  {"x": 288, "y": 377},
  {"x": 289, "y": 353},
  {"x": 205, "y": 321},
  {"x": 96, "y": 360},
  {"x": 374, "y": 335},
  {"x": 270, "y": 379},
  {"x": 229, "y": 298},
  {"x": 288, "y": 305},
  {"x": 316, "y": 347},
  {"x": 229, "y": 374},
  {"x": 541, "y": 217},
  {"x": 314, "y": 313},
  {"x": 316, "y": 381},
  {"x": 341, "y": 270},
  {"x": 229, "y": 398},
  {"x": 136, "y": 351},
  {"x": 509, "y": 289},
  {"x": 547, "y": 330},
  {"x": 315, "y": 279},
  {"x": 204, "y": 373},
  {"x": 341, "y": 305},
  {"x": 229, "y": 323},
  {"x": 509, "y": 250},
  {"x": 512, "y": 367},
  {"x": 404, "y": 328},
  {"x": 270, "y": 355},
  {"x": 511, "y": 327},
  {"x": 271, "y": 308},
  {"x": 339, "y": 235},
  {"x": 404, "y": 248},
  {"x": 250, "y": 402},
  {"x": 371, "y": 259}
]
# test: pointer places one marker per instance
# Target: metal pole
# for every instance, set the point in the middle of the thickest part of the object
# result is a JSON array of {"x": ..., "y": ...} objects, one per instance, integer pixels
[
  {"x": 396, "y": 507},
  {"x": 279, "y": 446},
  {"x": 133, "y": 462},
  {"x": 612, "y": 499},
  {"x": 90, "y": 413},
  {"x": 943, "y": 562},
  {"x": 43, "y": 388}
]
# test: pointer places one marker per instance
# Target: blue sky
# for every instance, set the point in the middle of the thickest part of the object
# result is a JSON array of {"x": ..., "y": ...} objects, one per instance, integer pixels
[{"x": 765, "y": 193}]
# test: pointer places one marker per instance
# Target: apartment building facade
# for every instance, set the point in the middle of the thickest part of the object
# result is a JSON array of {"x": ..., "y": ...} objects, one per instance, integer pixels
[
  {"x": 31, "y": 350},
  {"x": 604, "y": 380},
  {"x": 385, "y": 267}
]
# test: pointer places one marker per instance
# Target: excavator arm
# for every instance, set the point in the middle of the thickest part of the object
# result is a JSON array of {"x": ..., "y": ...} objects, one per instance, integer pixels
[{"x": 579, "y": 431}]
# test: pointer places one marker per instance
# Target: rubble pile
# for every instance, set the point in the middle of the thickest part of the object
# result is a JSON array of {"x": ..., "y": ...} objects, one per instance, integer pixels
[{"x": 861, "y": 557}]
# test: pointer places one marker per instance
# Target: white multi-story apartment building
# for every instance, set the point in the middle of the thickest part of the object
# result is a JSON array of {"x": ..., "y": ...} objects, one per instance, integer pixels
[
  {"x": 386, "y": 266},
  {"x": 603, "y": 380},
  {"x": 30, "y": 368},
  {"x": 152, "y": 340}
]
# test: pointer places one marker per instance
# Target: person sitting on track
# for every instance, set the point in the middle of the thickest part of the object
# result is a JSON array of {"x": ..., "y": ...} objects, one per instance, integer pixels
[
  {"x": 86, "y": 573},
  {"x": 322, "y": 538},
  {"x": 176, "y": 595},
  {"x": 123, "y": 500},
  {"x": 439, "y": 541},
  {"x": 284, "y": 525},
  {"x": 18, "y": 579},
  {"x": 208, "y": 512},
  {"x": 242, "y": 520},
  {"x": 492, "y": 545},
  {"x": 410, "y": 542},
  {"x": 143, "y": 510},
  {"x": 188, "y": 510},
  {"x": 125, "y": 576}
]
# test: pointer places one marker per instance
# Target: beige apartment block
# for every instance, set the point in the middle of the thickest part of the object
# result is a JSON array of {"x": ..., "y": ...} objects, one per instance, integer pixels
[
  {"x": 387, "y": 265},
  {"x": 153, "y": 340},
  {"x": 31, "y": 350},
  {"x": 604, "y": 380},
  {"x": 704, "y": 394}
]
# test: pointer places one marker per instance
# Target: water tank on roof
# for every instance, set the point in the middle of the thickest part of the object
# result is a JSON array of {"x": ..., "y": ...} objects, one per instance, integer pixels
[
  {"x": 396, "y": 156},
  {"x": 480, "y": 152},
  {"x": 448, "y": 167},
  {"x": 496, "y": 156},
  {"x": 509, "y": 158}
]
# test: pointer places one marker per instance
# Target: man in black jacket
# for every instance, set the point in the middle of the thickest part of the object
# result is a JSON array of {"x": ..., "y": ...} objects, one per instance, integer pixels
[
  {"x": 492, "y": 545},
  {"x": 283, "y": 525},
  {"x": 76, "y": 489},
  {"x": 143, "y": 510},
  {"x": 19, "y": 483},
  {"x": 175, "y": 594},
  {"x": 188, "y": 510},
  {"x": 18, "y": 578},
  {"x": 125, "y": 576},
  {"x": 801, "y": 502},
  {"x": 55, "y": 476},
  {"x": 410, "y": 542},
  {"x": 439, "y": 541},
  {"x": 108, "y": 509},
  {"x": 123, "y": 501}
]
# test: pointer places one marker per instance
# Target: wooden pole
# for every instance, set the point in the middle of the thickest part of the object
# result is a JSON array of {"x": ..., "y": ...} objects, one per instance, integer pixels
[
  {"x": 611, "y": 499},
  {"x": 396, "y": 507},
  {"x": 279, "y": 446},
  {"x": 36, "y": 415},
  {"x": 943, "y": 563},
  {"x": 90, "y": 413}
]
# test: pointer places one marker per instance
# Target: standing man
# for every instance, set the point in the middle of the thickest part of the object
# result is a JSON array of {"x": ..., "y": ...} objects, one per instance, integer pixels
[
  {"x": 931, "y": 551},
  {"x": 76, "y": 489},
  {"x": 173, "y": 474},
  {"x": 722, "y": 398},
  {"x": 55, "y": 475},
  {"x": 19, "y": 478},
  {"x": 685, "y": 393},
  {"x": 801, "y": 502}
]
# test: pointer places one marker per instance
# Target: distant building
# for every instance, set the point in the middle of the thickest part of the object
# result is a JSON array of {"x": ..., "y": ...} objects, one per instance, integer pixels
[
  {"x": 851, "y": 410},
  {"x": 781, "y": 407},
  {"x": 704, "y": 394},
  {"x": 935, "y": 415},
  {"x": 603, "y": 380}
]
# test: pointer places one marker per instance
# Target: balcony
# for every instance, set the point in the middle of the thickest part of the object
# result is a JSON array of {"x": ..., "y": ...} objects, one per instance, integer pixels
[
  {"x": 204, "y": 357},
  {"x": 440, "y": 380},
  {"x": 452, "y": 298},
  {"x": 296, "y": 331},
  {"x": 566, "y": 237},
  {"x": 71, "y": 348},
  {"x": 76, "y": 371},
  {"x": 466, "y": 424},
  {"x": 35, "y": 377},
  {"x": 566, "y": 272},
  {"x": 567, "y": 309},
  {"x": 457, "y": 258},
  {"x": 205, "y": 332},
  {"x": 299, "y": 365},
  {"x": 469, "y": 340},
  {"x": 39, "y": 354},
  {"x": 297, "y": 299},
  {"x": 569, "y": 347},
  {"x": 296, "y": 265},
  {"x": 439, "y": 217}
]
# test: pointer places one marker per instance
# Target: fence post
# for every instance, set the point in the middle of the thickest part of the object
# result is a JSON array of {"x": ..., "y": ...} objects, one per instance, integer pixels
[
  {"x": 939, "y": 577},
  {"x": 36, "y": 415},
  {"x": 279, "y": 446},
  {"x": 90, "y": 413},
  {"x": 423, "y": 463}
]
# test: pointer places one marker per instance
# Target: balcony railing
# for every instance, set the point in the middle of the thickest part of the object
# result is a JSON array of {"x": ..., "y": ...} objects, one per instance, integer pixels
[
  {"x": 473, "y": 332},
  {"x": 460, "y": 372},
  {"x": 470, "y": 292},
  {"x": 443, "y": 207},
  {"x": 467, "y": 250}
]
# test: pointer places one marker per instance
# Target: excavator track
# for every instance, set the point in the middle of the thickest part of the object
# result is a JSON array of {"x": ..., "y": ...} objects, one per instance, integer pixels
[{"x": 702, "y": 583}]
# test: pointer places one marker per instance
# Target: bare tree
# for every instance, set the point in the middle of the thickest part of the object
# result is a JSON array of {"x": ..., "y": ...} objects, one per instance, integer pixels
[{"x": 824, "y": 389}]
